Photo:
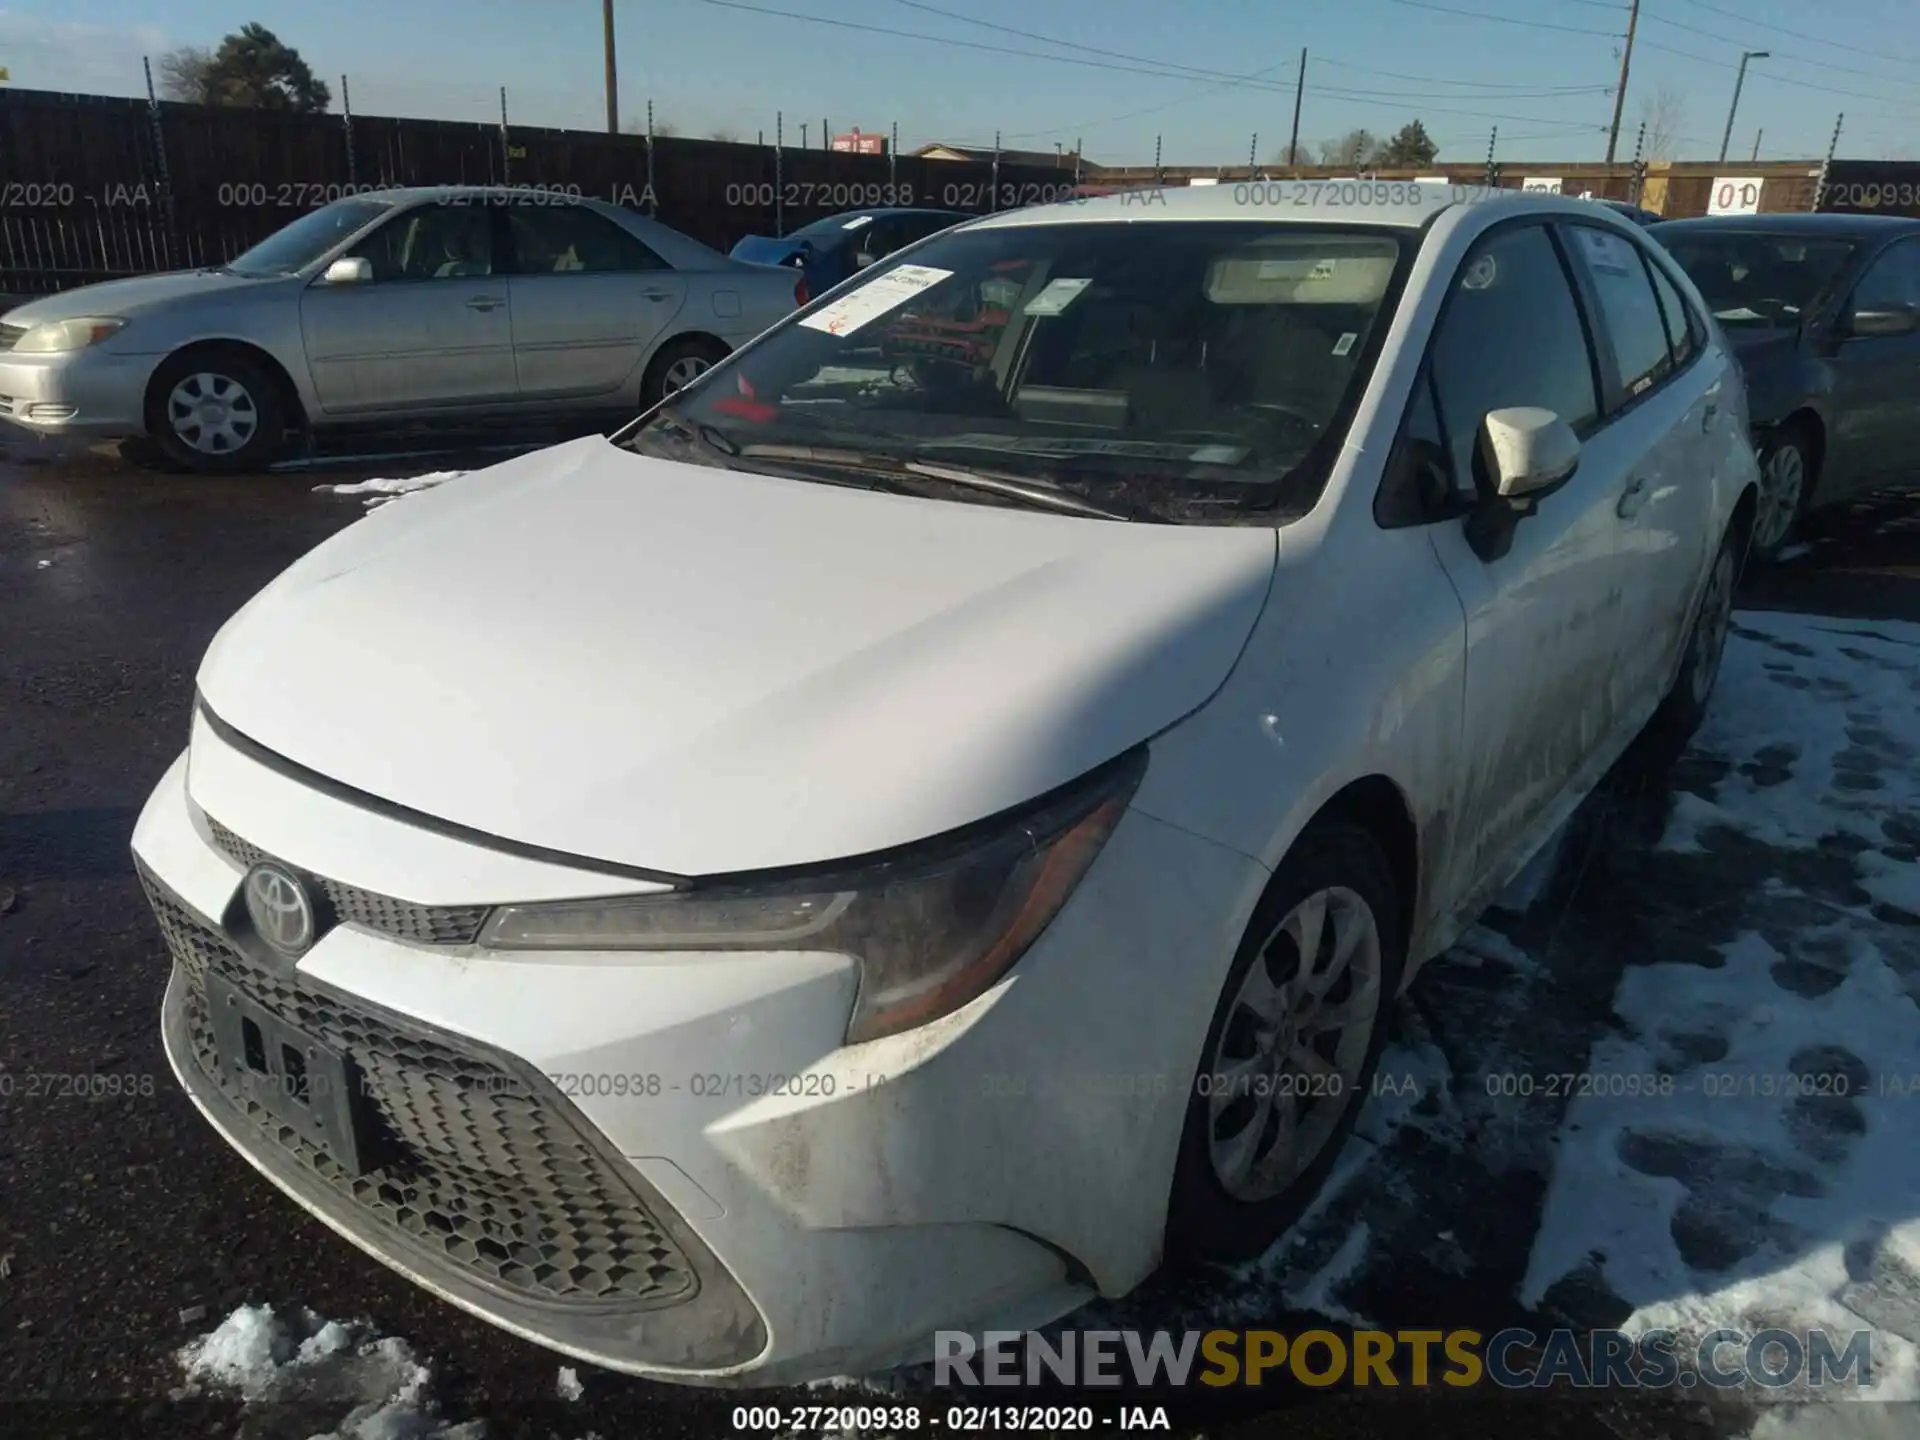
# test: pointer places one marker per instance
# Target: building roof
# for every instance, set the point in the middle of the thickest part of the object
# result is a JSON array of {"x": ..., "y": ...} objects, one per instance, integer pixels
[{"x": 940, "y": 150}]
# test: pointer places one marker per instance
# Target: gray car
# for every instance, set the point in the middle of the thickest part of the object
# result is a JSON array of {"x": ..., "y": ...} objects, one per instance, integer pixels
[{"x": 440, "y": 304}]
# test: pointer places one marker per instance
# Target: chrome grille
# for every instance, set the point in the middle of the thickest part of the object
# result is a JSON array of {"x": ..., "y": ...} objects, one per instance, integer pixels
[
  {"x": 402, "y": 919},
  {"x": 477, "y": 1161}
]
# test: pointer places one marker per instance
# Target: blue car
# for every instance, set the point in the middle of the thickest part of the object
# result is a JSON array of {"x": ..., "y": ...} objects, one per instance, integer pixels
[{"x": 828, "y": 251}]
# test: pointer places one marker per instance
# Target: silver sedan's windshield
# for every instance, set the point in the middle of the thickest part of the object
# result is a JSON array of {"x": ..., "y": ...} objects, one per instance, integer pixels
[
  {"x": 1153, "y": 366},
  {"x": 307, "y": 239}
]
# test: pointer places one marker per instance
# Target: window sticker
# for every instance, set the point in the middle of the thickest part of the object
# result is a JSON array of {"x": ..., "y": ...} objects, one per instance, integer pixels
[
  {"x": 857, "y": 222},
  {"x": 874, "y": 299},
  {"x": 1480, "y": 274},
  {"x": 1057, "y": 295},
  {"x": 1608, "y": 254},
  {"x": 1344, "y": 345},
  {"x": 1323, "y": 270}
]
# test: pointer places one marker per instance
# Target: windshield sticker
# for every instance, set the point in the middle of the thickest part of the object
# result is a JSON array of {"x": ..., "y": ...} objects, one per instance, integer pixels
[
  {"x": 1323, "y": 270},
  {"x": 1003, "y": 293},
  {"x": 857, "y": 222},
  {"x": 874, "y": 299},
  {"x": 1218, "y": 455},
  {"x": 1480, "y": 273},
  {"x": 1057, "y": 295},
  {"x": 1344, "y": 345}
]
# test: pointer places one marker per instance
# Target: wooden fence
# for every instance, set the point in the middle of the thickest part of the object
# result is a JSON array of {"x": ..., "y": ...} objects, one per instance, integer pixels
[{"x": 95, "y": 187}]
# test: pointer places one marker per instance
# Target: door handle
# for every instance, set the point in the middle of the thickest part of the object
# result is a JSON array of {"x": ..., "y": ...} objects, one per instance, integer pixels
[
  {"x": 1631, "y": 499},
  {"x": 658, "y": 294},
  {"x": 1707, "y": 417},
  {"x": 485, "y": 302}
]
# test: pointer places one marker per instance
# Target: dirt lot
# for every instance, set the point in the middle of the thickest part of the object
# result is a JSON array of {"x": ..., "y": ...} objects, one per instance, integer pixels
[{"x": 127, "y": 1230}]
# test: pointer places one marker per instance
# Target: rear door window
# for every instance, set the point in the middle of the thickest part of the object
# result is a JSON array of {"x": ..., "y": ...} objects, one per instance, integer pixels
[{"x": 1629, "y": 310}]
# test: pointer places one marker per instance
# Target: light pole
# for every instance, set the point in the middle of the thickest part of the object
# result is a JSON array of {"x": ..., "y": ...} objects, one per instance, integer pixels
[
  {"x": 613, "y": 89},
  {"x": 1739, "y": 80}
]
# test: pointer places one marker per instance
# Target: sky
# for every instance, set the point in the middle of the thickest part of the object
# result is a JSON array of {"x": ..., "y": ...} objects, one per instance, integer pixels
[{"x": 1205, "y": 80}]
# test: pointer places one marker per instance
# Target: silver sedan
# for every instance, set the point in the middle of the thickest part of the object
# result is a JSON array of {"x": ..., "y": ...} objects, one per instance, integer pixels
[{"x": 447, "y": 303}]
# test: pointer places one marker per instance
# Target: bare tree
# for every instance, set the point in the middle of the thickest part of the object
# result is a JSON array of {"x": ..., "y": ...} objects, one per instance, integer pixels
[
  {"x": 186, "y": 75},
  {"x": 730, "y": 137},
  {"x": 1351, "y": 150},
  {"x": 1293, "y": 155},
  {"x": 637, "y": 125},
  {"x": 1663, "y": 113}
]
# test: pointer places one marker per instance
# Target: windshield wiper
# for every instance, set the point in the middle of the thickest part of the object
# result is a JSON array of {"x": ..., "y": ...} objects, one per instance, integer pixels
[{"x": 1020, "y": 487}]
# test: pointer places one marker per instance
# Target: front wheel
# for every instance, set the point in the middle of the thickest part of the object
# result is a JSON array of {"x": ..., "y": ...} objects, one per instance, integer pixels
[
  {"x": 215, "y": 411},
  {"x": 1291, "y": 1053},
  {"x": 1786, "y": 483}
]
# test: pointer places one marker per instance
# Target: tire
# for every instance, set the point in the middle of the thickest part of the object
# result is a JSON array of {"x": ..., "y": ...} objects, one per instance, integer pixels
[
  {"x": 216, "y": 411},
  {"x": 1786, "y": 465},
  {"x": 1217, "y": 1211},
  {"x": 1685, "y": 705},
  {"x": 678, "y": 362}
]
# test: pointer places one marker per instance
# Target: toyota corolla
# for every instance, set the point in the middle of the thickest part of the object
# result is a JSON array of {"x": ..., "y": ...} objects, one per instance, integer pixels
[{"x": 913, "y": 836}]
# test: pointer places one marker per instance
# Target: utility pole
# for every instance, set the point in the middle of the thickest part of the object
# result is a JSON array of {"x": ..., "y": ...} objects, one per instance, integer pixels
[
  {"x": 1738, "y": 81},
  {"x": 1299, "y": 91},
  {"x": 1756, "y": 144},
  {"x": 613, "y": 87},
  {"x": 1620, "y": 95}
]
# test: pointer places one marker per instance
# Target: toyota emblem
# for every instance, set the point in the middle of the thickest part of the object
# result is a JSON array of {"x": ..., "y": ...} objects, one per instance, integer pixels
[{"x": 280, "y": 908}]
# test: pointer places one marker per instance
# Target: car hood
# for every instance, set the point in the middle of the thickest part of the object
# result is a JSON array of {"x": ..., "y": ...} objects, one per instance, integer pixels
[
  {"x": 698, "y": 670},
  {"x": 125, "y": 297}
]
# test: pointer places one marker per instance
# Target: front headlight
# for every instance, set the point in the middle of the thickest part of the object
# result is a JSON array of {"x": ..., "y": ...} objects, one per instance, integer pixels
[
  {"x": 930, "y": 927},
  {"x": 58, "y": 335}
]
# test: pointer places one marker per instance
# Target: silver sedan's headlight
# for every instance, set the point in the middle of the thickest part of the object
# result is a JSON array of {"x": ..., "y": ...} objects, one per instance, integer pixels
[
  {"x": 931, "y": 927},
  {"x": 59, "y": 335}
]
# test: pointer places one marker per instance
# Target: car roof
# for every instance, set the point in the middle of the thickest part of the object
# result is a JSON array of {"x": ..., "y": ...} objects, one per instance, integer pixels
[
  {"x": 1837, "y": 226},
  {"x": 1402, "y": 204}
]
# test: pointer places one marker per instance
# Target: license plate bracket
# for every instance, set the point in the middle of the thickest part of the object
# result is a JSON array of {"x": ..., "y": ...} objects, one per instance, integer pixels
[{"x": 300, "y": 1081}]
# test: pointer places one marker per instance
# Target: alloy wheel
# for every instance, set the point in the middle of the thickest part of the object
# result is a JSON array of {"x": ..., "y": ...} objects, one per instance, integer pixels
[
  {"x": 213, "y": 413},
  {"x": 1782, "y": 481},
  {"x": 1710, "y": 630},
  {"x": 1294, "y": 1044},
  {"x": 685, "y": 371}
]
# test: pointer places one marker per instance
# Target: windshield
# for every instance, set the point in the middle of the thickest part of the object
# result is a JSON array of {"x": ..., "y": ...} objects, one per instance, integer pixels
[
  {"x": 306, "y": 239},
  {"x": 1756, "y": 280},
  {"x": 1159, "y": 367}
]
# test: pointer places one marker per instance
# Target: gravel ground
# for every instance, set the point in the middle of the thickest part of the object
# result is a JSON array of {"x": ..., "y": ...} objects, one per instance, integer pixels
[{"x": 127, "y": 1230}]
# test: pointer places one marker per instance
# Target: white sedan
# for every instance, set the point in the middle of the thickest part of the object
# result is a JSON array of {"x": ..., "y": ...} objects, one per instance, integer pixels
[
  {"x": 442, "y": 304},
  {"x": 929, "y": 823}
]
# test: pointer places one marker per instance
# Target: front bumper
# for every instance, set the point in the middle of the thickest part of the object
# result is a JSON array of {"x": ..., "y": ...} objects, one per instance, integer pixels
[
  {"x": 750, "y": 1201},
  {"x": 90, "y": 393}
]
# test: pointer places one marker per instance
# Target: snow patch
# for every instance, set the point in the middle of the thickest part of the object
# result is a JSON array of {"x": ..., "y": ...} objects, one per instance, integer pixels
[{"x": 267, "y": 1358}]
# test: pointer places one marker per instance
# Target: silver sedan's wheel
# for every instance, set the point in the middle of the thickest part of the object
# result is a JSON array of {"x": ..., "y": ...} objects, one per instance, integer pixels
[
  {"x": 1783, "y": 484},
  {"x": 1295, "y": 1044},
  {"x": 212, "y": 413},
  {"x": 1710, "y": 630},
  {"x": 685, "y": 371}
]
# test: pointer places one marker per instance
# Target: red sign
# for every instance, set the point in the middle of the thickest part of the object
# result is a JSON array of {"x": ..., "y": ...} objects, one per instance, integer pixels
[{"x": 854, "y": 143}]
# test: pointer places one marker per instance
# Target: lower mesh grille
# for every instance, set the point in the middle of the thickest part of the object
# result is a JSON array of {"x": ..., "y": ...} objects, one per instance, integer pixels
[
  {"x": 402, "y": 919},
  {"x": 478, "y": 1163}
]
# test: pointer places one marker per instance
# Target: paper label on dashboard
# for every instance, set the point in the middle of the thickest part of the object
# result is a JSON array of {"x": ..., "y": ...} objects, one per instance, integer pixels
[
  {"x": 874, "y": 299},
  {"x": 1057, "y": 295}
]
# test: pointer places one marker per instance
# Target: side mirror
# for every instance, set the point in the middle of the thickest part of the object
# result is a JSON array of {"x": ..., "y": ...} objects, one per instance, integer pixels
[
  {"x": 1900, "y": 321},
  {"x": 349, "y": 270},
  {"x": 1528, "y": 450}
]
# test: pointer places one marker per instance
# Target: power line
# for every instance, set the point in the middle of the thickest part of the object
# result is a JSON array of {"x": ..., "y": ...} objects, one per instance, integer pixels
[
  {"x": 1789, "y": 59},
  {"x": 1604, "y": 89},
  {"x": 1508, "y": 19},
  {"x": 1775, "y": 79},
  {"x": 1800, "y": 34},
  {"x": 1161, "y": 74}
]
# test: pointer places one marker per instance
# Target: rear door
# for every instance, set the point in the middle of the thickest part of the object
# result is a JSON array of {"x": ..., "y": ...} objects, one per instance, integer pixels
[
  {"x": 589, "y": 299},
  {"x": 1664, "y": 401},
  {"x": 1544, "y": 613},
  {"x": 1877, "y": 377},
  {"x": 431, "y": 330}
]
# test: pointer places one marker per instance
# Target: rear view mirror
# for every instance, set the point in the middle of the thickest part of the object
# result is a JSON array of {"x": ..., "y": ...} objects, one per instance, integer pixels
[
  {"x": 349, "y": 270},
  {"x": 1528, "y": 450},
  {"x": 1901, "y": 320}
]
